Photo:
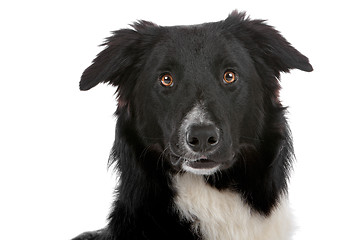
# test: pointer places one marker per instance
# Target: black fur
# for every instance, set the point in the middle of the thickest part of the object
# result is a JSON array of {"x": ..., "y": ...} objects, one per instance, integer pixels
[{"x": 248, "y": 113}]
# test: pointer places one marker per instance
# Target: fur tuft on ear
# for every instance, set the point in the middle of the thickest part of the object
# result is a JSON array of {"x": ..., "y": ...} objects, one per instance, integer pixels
[{"x": 271, "y": 46}]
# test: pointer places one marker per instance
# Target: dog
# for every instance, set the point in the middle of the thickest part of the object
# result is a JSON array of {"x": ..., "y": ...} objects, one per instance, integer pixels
[{"x": 202, "y": 144}]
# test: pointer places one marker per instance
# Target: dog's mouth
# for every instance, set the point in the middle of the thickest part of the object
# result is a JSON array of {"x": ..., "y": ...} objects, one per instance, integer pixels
[
  {"x": 202, "y": 163},
  {"x": 201, "y": 166}
]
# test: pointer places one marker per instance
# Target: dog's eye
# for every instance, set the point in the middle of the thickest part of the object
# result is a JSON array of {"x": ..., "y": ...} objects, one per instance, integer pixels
[
  {"x": 229, "y": 77},
  {"x": 167, "y": 80}
]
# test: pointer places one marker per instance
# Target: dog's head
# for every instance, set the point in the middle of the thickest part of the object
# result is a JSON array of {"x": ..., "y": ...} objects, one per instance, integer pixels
[{"x": 198, "y": 94}]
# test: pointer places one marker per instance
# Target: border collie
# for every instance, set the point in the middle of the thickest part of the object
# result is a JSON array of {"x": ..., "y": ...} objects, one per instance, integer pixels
[{"x": 202, "y": 145}]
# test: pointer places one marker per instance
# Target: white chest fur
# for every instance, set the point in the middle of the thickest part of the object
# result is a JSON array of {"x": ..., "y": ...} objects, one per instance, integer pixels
[{"x": 223, "y": 215}]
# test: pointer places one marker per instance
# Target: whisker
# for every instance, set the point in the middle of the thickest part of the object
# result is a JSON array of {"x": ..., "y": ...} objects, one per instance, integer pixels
[
  {"x": 243, "y": 160},
  {"x": 143, "y": 153},
  {"x": 162, "y": 156}
]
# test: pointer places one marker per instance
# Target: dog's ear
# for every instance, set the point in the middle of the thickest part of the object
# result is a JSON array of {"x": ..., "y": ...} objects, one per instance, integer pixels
[
  {"x": 276, "y": 51},
  {"x": 112, "y": 61},
  {"x": 122, "y": 52}
]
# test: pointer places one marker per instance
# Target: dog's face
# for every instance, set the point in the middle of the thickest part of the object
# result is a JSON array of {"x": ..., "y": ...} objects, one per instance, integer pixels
[
  {"x": 194, "y": 97},
  {"x": 196, "y": 93}
]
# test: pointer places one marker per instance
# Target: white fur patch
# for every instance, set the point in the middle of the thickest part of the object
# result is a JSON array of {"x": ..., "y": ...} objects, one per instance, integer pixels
[{"x": 223, "y": 215}]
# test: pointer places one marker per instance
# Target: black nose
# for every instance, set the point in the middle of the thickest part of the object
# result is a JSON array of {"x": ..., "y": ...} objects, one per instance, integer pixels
[{"x": 202, "y": 138}]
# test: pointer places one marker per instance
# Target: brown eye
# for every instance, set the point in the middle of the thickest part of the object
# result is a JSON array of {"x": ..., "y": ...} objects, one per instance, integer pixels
[
  {"x": 167, "y": 80},
  {"x": 229, "y": 77}
]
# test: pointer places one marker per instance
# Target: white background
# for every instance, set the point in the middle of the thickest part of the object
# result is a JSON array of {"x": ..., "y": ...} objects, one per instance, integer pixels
[{"x": 55, "y": 140}]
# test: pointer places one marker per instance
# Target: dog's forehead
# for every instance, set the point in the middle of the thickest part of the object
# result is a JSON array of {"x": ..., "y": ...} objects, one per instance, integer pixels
[
  {"x": 205, "y": 46},
  {"x": 198, "y": 39},
  {"x": 198, "y": 46}
]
